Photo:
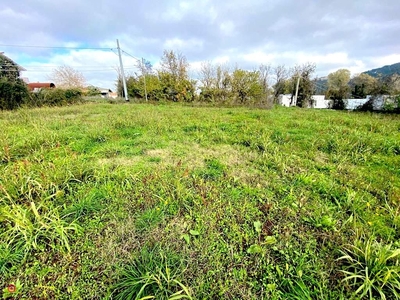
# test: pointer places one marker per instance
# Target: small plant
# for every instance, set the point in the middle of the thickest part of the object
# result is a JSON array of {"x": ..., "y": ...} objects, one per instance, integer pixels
[
  {"x": 35, "y": 229},
  {"x": 12, "y": 290},
  {"x": 10, "y": 257},
  {"x": 152, "y": 275},
  {"x": 372, "y": 269}
]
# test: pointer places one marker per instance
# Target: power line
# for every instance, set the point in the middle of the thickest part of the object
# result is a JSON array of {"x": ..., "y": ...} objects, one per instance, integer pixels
[
  {"x": 56, "y": 47},
  {"x": 57, "y": 66},
  {"x": 130, "y": 55},
  {"x": 81, "y": 70}
]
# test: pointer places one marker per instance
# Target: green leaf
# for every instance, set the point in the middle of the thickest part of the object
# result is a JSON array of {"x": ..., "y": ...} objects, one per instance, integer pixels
[
  {"x": 269, "y": 240},
  {"x": 327, "y": 221},
  {"x": 194, "y": 232},
  {"x": 258, "y": 226},
  {"x": 254, "y": 249},
  {"x": 186, "y": 237}
]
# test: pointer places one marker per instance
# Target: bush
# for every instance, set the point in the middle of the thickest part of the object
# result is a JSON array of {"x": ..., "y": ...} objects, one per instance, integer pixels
[
  {"x": 12, "y": 93},
  {"x": 339, "y": 104},
  {"x": 367, "y": 106},
  {"x": 55, "y": 97}
]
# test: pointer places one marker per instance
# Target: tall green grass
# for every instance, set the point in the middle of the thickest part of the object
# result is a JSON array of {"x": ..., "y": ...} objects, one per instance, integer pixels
[{"x": 122, "y": 201}]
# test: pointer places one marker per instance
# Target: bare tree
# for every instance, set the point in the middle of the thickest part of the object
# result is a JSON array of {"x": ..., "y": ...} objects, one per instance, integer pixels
[
  {"x": 144, "y": 66},
  {"x": 67, "y": 77},
  {"x": 207, "y": 74},
  {"x": 175, "y": 64},
  {"x": 281, "y": 75},
  {"x": 265, "y": 73}
]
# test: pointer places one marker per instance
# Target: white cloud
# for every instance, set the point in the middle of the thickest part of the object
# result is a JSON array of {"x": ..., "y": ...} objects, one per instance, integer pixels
[
  {"x": 181, "y": 45},
  {"x": 98, "y": 67},
  {"x": 258, "y": 57},
  {"x": 339, "y": 34},
  {"x": 227, "y": 28},
  {"x": 386, "y": 60},
  {"x": 221, "y": 59}
]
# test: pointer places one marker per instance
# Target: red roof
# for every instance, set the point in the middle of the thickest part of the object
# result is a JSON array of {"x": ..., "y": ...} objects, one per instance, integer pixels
[{"x": 39, "y": 85}]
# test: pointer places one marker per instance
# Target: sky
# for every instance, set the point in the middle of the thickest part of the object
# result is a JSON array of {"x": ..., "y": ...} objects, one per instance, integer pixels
[{"x": 333, "y": 34}]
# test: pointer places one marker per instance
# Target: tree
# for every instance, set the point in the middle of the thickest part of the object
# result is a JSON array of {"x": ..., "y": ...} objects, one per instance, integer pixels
[
  {"x": 264, "y": 78},
  {"x": 13, "y": 91},
  {"x": 208, "y": 82},
  {"x": 174, "y": 64},
  {"x": 223, "y": 83},
  {"x": 338, "y": 87},
  {"x": 145, "y": 66},
  {"x": 303, "y": 74},
  {"x": 281, "y": 75},
  {"x": 8, "y": 68},
  {"x": 387, "y": 85},
  {"x": 174, "y": 78},
  {"x": 207, "y": 75},
  {"x": 67, "y": 77},
  {"x": 246, "y": 86},
  {"x": 362, "y": 85},
  {"x": 216, "y": 83}
]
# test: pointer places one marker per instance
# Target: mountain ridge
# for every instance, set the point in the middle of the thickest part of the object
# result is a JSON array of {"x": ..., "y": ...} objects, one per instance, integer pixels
[{"x": 387, "y": 70}]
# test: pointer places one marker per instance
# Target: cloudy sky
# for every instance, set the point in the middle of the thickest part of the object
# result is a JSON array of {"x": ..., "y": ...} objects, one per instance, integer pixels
[{"x": 355, "y": 34}]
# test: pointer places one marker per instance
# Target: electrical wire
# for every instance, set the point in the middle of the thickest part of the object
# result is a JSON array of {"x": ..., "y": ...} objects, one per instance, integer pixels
[
  {"x": 139, "y": 60},
  {"x": 81, "y": 70},
  {"x": 56, "y": 47}
]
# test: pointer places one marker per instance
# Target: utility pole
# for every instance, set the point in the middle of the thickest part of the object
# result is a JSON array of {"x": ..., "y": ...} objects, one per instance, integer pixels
[
  {"x": 297, "y": 90},
  {"x": 122, "y": 72},
  {"x": 144, "y": 78}
]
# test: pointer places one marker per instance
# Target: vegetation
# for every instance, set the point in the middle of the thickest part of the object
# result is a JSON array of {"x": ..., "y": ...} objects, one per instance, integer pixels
[
  {"x": 55, "y": 97},
  {"x": 217, "y": 84},
  {"x": 338, "y": 83},
  {"x": 302, "y": 82},
  {"x": 67, "y": 77},
  {"x": 13, "y": 91},
  {"x": 385, "y": 71},
  {"x": 170, "y": 201}
]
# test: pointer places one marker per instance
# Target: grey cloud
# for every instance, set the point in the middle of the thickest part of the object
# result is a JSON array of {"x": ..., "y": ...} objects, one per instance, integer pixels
[{"x": 362, "y": 29}]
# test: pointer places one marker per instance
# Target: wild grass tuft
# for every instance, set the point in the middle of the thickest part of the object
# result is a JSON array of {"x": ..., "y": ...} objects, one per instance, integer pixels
[
  {"x": 152, "y": 275},
  {"x": 372, "y": 269}
]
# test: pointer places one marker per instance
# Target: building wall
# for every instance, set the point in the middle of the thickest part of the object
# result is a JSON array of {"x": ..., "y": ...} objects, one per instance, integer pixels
[
  {"x": 284, "y": 100},
  {"x": 318, "y": 101}
]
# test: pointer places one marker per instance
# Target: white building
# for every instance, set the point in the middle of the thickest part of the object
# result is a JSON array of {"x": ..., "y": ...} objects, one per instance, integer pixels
[{"x": 317, "y": 101}]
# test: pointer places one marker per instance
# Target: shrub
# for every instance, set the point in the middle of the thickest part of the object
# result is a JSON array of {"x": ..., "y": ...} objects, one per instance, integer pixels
[
  {"x": 12, "y": 93},
  {"x": 55, "y": 97}
]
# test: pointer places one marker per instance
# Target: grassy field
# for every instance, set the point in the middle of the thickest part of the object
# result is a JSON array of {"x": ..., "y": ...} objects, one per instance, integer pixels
[{"x": 124, "y": 201}]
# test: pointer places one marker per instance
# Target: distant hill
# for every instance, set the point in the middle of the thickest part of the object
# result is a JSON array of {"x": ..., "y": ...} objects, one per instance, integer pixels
[
  {"x": 385, "y": 71},
  {"x": 321, "y": 84}
]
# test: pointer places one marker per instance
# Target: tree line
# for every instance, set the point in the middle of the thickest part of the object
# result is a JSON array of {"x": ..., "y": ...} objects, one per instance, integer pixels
[
  {"x": 214, "y": 84},
  {"x": 221, "y": 84}
]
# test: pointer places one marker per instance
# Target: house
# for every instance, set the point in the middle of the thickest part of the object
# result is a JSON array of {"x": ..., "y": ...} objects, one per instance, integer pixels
[
  {"x": 377, "y": 102},
  {"x": 107, "y": 93},
  {"x": 285, "y": 100},
  {"x": 317, "y": 101},
  {"x": 36, "y": 87}
]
